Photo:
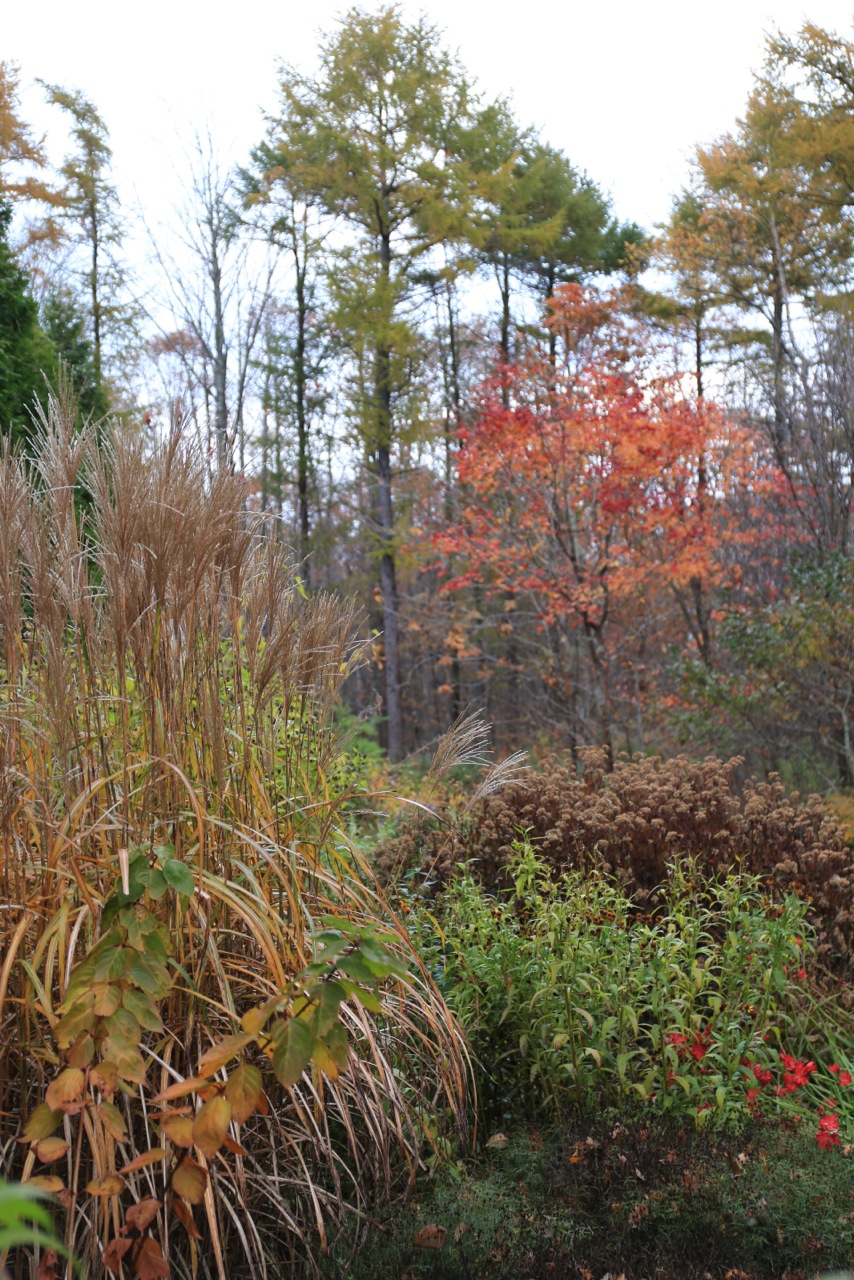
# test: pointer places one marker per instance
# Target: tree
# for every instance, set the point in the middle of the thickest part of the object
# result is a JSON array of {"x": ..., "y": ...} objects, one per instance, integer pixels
[
  {"x": 25, "y": 351},
  {"x": 297, "y": 346},
  {"x": 64, "y": 323},
  {"x": 91, "y": 216},
  {"x": 768, "y": 239},
  {"x": 22, "y": 155},
  {"x": 585, "y": 496},
  {"x": 217, "y": 295},
  {"x": 375, "y": 138}
]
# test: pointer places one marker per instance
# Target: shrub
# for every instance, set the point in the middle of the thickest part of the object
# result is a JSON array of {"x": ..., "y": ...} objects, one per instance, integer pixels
[
  {"x": 573, "y": 999},
  {"x": 632, "y": 821},
  {"x": 176, "y": 894}
]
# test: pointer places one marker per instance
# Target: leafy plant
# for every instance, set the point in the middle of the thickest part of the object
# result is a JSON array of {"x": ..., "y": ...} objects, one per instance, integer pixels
[
  {"x": 175, "y": 873},
  {"x": 573, "y": 998},
  {"x": 25, "y": 1220}
]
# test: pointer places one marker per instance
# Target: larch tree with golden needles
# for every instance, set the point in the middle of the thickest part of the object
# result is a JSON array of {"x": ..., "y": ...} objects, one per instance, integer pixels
[{"x": 375, "y": 136}]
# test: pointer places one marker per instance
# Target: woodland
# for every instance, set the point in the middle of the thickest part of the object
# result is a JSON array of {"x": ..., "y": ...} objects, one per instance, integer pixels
[{"x": 427, "y": 692}]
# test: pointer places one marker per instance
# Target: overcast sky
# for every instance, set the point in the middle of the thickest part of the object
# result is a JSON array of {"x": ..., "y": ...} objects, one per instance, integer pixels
[{"x": 626, "y": 89}]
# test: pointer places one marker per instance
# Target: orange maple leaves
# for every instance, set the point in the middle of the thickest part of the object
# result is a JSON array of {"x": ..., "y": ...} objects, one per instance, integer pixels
[{"x": 594, "y": 479}]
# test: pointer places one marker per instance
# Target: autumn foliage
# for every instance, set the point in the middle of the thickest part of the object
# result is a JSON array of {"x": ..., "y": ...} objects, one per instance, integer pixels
[{"x": 597, "y": 488}]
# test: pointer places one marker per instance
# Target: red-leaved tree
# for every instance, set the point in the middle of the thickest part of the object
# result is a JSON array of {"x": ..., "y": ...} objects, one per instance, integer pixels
[{"x": 617, "y": 504}]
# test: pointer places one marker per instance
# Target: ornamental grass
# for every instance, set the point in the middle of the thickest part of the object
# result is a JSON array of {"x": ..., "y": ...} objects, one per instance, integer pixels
[{"x": 177, "y": 894}]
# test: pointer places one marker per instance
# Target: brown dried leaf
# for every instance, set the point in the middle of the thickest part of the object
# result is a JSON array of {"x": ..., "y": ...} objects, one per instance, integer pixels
[
  {"x": 114, "y": 1252},
  {"x": 150, "y": 1263},
  {"x": 141, "y": 1214},
  {"x": 110, "y": 1185},
  {"x": 185, "y": 1214},
  {"x": 147, "y": 1158},
  {"x": 432, "y": 1237}
]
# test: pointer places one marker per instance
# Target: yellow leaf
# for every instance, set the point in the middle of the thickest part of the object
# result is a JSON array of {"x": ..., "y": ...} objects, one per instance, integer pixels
[
  {"x": 67, "y": 1087},
  {"x": 223, "y": 1052},
  {"x": 178, "y": 1129},
  {"x": 50, "y": 1149},
  {"x": 189, "y": 1181},
  {"x": 113, "y": 1121},
  {"x": 211, "y": 1125}
]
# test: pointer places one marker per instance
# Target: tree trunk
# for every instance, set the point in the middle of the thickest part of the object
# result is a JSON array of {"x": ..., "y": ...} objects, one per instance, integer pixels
[{"x": 385, "y": 521}]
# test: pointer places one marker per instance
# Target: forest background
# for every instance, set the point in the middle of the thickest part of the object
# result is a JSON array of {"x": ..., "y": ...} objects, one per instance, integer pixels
[{"x": 590, "y": 475}]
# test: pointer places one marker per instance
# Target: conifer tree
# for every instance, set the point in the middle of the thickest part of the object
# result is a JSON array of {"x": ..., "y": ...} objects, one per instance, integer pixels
[{"x": 376, "y": 137}]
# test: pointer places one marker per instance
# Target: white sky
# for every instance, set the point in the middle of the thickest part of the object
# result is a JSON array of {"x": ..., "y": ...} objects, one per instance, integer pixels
[{"x": 626, "y": 89}]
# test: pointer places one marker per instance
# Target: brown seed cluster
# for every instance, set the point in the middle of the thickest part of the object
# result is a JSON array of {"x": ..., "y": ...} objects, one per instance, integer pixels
[{"x": 631, "y": 822}]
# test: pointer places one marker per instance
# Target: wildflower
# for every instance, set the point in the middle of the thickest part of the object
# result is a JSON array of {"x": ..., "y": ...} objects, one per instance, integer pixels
[
  {"x": 845, "y": 1079},
  {"x": 762, "y": 1076},
  {"x": 753, "y": 1098},
  {"x": 834, "y": 1068},
  {"x": 828, "y": 1130}
]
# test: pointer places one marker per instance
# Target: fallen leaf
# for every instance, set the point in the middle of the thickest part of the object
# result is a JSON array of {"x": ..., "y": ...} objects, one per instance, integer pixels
[
  {"x": 498, "y": 1140},
  {"x": 432, "y": 1237}
]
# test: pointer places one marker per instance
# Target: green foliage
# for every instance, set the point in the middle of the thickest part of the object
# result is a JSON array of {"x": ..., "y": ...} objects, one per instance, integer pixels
[
  {"x": 25, "y": 1220},
  {"x": 572, "y": 998},
  {"x": 603, "y": 1197},
  {"x": 24, "y": 348},
  {"x": 65, "y": 325}
]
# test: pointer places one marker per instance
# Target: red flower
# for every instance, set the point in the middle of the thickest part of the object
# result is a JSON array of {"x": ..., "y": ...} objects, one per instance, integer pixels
[
  {"x": 700, "y": 1047},
  {"x": 826, "y": 1140},
  {"x": 835, "y": 1068},
  {"x": 828, "y": 1123},
  {"x": 845, "y": 1079},
  {"x": 763, "y": 1076}
]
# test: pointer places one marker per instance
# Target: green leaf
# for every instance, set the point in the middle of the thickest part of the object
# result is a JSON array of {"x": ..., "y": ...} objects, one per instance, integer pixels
[
  {"x": 143, "y": 1009},
  {"x": 179, "y": 876},
  {"x": 294, "y": 1044},
  {"x": 157, "y": 885}
]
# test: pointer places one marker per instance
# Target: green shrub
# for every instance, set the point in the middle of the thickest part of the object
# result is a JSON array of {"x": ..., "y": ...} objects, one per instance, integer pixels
[{"x": 572, "y": 998}]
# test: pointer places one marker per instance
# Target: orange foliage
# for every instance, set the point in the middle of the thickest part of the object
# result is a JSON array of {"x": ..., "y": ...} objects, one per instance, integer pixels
[{"x": 600, "y": 482}]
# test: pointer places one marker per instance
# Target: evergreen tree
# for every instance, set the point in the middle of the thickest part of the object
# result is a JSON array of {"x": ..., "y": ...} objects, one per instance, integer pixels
[{"x": 25, "y": 351}]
